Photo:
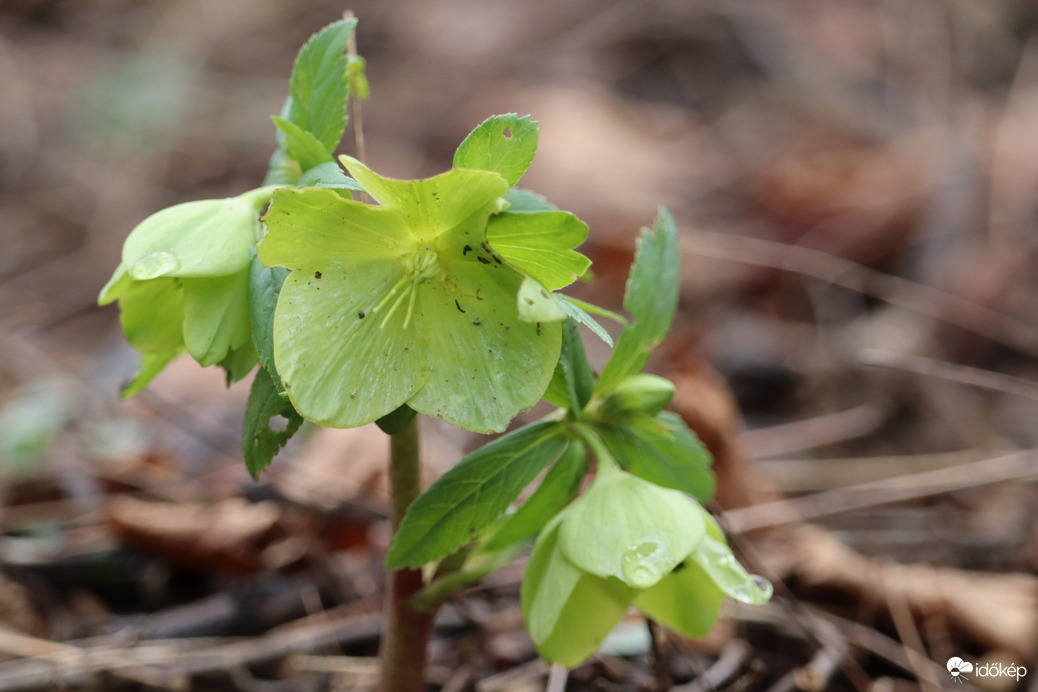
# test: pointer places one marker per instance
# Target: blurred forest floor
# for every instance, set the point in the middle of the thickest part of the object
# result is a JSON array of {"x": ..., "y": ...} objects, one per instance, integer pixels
[{"x": 857, "y": 187}]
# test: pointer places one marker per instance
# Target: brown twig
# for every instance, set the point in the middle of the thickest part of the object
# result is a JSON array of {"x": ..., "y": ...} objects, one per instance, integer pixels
[
  {"x": 964, "y": 374},
  {"x": 919, "y": 298},
  {"x": 735, "y": 656},
  {"x": 1008, "y": 467}
]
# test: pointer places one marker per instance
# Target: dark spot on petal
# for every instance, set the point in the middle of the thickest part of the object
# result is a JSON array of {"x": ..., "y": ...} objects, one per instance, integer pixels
[
  {"x": 317, "y": 275},
  {"x": 483, "y": 260},
  {"x": 487, "y": 248},
  {"x": 360, "y": 315},
  {"x": 538, "y": 329},
  {"x": 466, "y": 250},
  {"x": 478, "y": 324},
  {"x": 458, "y": 305},
  {"x": 478, "y": 291},
  {"x": 507, "y": 133},
  {"x": 497, "y": 259}
]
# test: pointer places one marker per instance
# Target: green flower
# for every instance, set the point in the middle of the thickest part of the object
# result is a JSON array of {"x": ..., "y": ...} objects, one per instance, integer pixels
[
  {"x": 183, "y": 285},
  {"x": 407, "y": 301},
  {"x": 627, "y": 542}
]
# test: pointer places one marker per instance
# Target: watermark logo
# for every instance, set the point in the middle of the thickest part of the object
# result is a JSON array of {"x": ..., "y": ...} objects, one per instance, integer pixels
[{"x": 959, "y": 668}]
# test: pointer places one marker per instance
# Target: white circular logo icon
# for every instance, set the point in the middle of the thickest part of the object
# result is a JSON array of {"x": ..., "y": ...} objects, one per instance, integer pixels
[{"x": 956, "y": 666}]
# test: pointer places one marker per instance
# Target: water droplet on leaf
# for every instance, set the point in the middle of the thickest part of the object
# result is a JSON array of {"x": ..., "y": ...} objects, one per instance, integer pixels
[
  {"x": 644, "y": 564},
  {"x": 154, "y": 265}
]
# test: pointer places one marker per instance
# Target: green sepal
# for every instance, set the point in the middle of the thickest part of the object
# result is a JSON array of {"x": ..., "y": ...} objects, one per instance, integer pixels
[
  {"x": 662, "y": 450},
  {"x": 502, "y": 143},
  {"x": 397, "y": 420},
  {"x": 473, "y": 494},
  {"x": 716, "y": 559},
  {"x": 216, "y": 316},
  {"x": 557, "y": 488},
  {"x": 151, "y": 365},
  {"x": 260, "y": 442},
  {"x": 541, "y": 245},
  {"x": 651, "y": 297},
  {"x": 359, "y": 87},
  {"x": 568, "y": 612},
  {"x": 320, "y": 84},
  {"x": 203, "y": 238},
  {"x": 537, "y": 304},
  {"x": 686, "y": 601},
  {"x": 625, "y": 527}
]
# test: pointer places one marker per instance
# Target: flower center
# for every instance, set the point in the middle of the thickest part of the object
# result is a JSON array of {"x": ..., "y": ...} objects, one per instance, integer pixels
[{"x": 419, "y": 266}]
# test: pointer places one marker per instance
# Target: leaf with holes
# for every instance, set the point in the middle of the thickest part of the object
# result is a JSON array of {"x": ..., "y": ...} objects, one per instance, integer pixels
[
  {"x": 505, "y": 144},
  {"x": 259, "y": 440}
]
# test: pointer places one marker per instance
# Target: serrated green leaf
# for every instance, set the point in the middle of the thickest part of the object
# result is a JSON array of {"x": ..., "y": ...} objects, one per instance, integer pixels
[
  {"x": 259, "y": 441},
  {"x": 568, "y": 612},
  {"x": 264, "y": 289},
  {"x": 651, "y": 297},
  {"x": 320, "y": 84},
  {"x": 151, "y": 365},
  {"x": 541, "y": 245},
  {"x": 575, "y": 312},
  {"x": 216, "y": 315},
  {"x": 625, "y": 527},
  {"x": 662, "y": 450},
  {"x": 329, "y": 175},
  {"x": 557, "y": 488},
  {"x": 502, "y": 143},
  {"x": 686, "y": 601},
  {"x": 536, "y": 304},
  {"x": 523, "y": 201},
  {"x": 301, "y": 145},
  {"x": 474, "y": 493},
  {"x": 580, "y": 381}
]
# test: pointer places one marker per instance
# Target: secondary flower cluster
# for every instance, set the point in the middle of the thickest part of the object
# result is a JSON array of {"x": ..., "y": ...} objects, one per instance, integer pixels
[{"x": 627, "y": 542}]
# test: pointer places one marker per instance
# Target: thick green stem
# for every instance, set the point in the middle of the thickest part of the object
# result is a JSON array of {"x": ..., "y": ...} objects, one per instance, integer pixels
[{"x": 406, "y": 637}]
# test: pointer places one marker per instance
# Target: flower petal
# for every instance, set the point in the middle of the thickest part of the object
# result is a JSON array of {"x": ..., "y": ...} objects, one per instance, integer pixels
[
  {"x": 210, "y": 237},
  {"x": 317, "y": 228},
  {"x": 342, "y": 363},
  {"x": 216, "y": 316},
  {"x": 487, "y": 365},
  {"x": 628, "y": 528},
  {"x": 434, "y": 205}
]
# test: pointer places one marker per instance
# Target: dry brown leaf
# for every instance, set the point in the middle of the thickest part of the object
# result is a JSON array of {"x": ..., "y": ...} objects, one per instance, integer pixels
[
  {"x": 231, "y": 535},
  {"x": 998, "y": 611}
]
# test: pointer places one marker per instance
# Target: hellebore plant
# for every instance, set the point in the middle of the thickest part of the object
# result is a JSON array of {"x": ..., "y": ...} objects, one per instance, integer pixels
[{"x": 440, "y": 298}]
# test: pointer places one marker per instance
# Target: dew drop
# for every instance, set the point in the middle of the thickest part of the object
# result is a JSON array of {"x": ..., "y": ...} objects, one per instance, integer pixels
[
  {"x": 644, "y": 564},
  {"x": 154, "y": 265}
]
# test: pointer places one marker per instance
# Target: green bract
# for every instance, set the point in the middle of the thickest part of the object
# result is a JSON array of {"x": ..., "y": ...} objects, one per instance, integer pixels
[
  {"x": 183, "y": 284},
  {"x": 405, "y": 302}
]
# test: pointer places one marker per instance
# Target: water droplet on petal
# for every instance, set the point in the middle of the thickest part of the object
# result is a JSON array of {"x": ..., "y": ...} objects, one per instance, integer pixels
[
  {"x": 756, "y": 591},
  {"x": 154, "y": 265},
  {"x": 644, "y": 564}
]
